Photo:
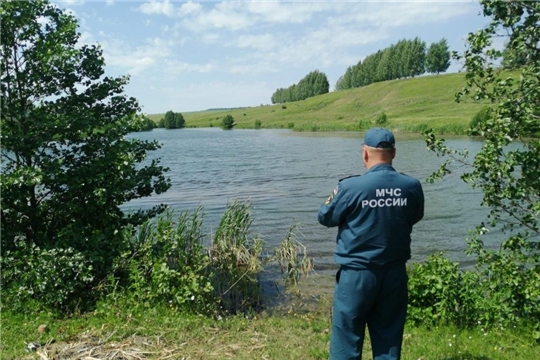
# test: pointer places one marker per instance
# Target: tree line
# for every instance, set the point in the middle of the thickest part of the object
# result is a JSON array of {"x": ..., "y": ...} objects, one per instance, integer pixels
[
  {"x": 313, "y": 84},
  {"x": 407, "y": 58}
]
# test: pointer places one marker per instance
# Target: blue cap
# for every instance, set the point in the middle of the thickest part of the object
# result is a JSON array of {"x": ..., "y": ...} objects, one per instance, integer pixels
[{"x": 379, "y": 138}]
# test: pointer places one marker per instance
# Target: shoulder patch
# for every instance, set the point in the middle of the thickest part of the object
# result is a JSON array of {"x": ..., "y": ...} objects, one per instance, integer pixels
[
  {"x": 334, "y": 193},
  {"x": 405, "y": 174},
  {"x": 348, "y": 177}
]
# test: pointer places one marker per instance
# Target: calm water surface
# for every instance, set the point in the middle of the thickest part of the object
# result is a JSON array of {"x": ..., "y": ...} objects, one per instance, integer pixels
[{"x": 287, "y": 176}]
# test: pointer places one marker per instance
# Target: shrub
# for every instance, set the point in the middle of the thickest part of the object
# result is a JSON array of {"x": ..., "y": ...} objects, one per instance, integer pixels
[
  {"x": 257, "y": 124},
  {"x": 167, "y": 264},
  {"x": 364, "y": 124},
  {"x": 290, "y": 125},
  {"x": 283, "y": 107},
  {"x": 381, "y": 119},
  {"x": 227, "y": 122},
  {"x": 52, "y": 278},
  {"x": 500, "y": 294},
  {"x": 440, "y": 294}
]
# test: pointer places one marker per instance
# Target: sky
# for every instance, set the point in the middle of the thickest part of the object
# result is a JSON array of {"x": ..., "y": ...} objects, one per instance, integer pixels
[{"x": 195, "y": 55}]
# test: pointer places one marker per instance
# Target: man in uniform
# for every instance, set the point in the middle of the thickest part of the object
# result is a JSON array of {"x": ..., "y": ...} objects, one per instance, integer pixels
[{"x": 374, "y": 214}]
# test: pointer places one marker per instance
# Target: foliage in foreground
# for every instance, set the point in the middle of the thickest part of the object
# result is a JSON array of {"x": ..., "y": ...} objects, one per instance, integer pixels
[
  {"x": 164, "y": 261},
  {"x": 67, "y": 165},
  {"x": 440, "y": 293},
  {"x": 507, "y": 168}
]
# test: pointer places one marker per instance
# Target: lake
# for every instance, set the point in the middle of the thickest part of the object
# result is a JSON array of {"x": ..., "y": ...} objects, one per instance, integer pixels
[{"x": 288, "y": 175}]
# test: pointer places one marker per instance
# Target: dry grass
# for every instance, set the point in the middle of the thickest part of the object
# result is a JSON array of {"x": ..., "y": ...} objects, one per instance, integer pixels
[{"x": 90, "y": 346}]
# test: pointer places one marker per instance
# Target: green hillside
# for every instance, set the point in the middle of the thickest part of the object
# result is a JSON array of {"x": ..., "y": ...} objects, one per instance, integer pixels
[{"x": 410, "y": 105}]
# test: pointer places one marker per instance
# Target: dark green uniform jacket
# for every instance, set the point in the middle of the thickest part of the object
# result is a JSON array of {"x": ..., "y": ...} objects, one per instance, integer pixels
[{"x": 375, "y": 214}]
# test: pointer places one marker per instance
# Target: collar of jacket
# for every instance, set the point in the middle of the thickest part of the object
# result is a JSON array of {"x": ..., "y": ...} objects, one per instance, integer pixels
[{"x": 380, "y": 167}]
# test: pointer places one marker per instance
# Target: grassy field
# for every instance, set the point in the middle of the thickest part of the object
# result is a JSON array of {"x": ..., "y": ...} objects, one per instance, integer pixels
[
  {"x": 117, "y": 332},
  {"x": 410, "y": 105}
]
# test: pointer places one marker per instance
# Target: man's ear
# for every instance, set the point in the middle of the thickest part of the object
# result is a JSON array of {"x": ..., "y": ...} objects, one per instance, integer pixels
[
  {"x": 365, "y": 155},
  {"x": 393, "y": 153}
]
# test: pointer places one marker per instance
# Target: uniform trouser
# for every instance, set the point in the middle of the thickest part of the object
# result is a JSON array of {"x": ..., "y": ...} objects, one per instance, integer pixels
[{"x": 376, "y": 298}]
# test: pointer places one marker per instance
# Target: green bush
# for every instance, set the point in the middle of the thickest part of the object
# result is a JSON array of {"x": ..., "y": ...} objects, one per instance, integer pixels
[
  {"x": 364, "y": 124},
  {"x": 51, "y": 278},
  {"x": 227, "y": 122},
  {"x": 290, "y": 125},
  {"x": 439, "y": 293},
  {"x": 500, "y": 294},
  {"x": 257, "y": 124},
  {"x": 167, "y": 264},
  {"x": 381, "y": 119}
]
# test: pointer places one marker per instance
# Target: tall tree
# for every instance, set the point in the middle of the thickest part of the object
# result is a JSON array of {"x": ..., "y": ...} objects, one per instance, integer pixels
[
  {"x": 66, "y": 163},
  {"x": 507, "y": 167},
  {"x": 173, "y": 120},
  {"x": 314, "y": 83},
  {"x": 438, "y": 57},
  {"x": 416, "y": 57}
]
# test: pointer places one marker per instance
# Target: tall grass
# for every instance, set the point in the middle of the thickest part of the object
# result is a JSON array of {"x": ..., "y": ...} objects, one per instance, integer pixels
[
  {"x": 169, "y": 264},
  {"x": 291, "y": 255},
  {"x": 235, "y": 260}
]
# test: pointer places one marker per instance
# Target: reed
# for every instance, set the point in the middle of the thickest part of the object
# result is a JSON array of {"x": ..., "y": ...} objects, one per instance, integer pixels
[
  {"x": 291, "y": 256},
  {"x": 235, "y": 260}
]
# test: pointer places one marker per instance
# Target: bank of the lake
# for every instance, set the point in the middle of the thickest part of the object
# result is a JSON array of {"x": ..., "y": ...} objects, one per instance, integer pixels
[
  {"x": 410, "y": 105},
  {"x": 117, "y": 332}
]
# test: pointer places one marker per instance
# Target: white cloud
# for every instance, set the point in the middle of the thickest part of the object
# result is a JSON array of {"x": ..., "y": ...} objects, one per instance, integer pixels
[
  {"x": 157, "y": 8},
  {"x": 42, "y": 20},
  {"x": 85, "y": 39},
  {"x": 72, "y": 2},
  {"x": 295, "y": 13},
  {"x": 225, "y": 15},
  {"x": 392, "y": 15},
  {"x": 189, "y": 8},
  {"x": 135, "y": 60},
  {"x": 109, "y": 2}
]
